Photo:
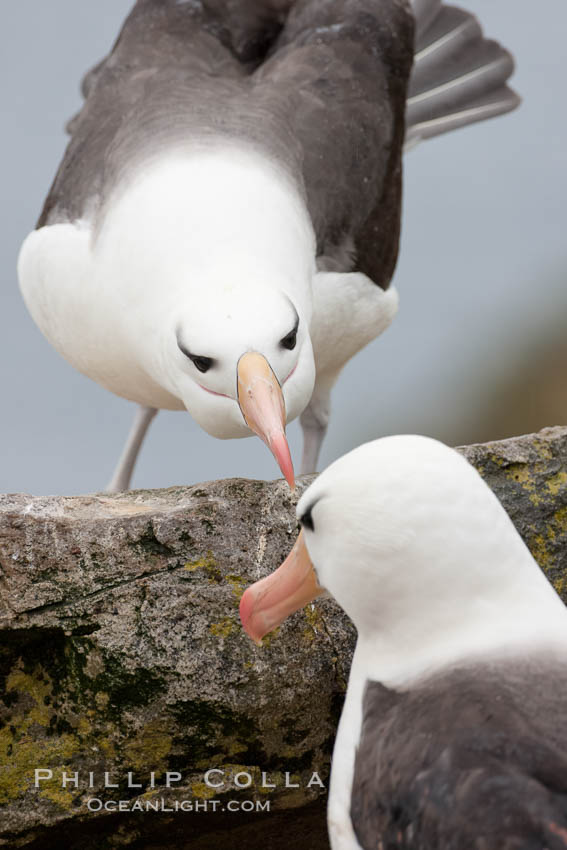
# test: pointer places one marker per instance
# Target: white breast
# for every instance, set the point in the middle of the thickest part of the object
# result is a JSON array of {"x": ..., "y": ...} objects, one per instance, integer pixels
[
  {"x": 339, "y": 822},
  {"x": 83, "y": 320}
]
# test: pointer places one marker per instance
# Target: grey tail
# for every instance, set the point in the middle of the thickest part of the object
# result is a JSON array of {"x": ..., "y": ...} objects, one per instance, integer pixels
[{"x": 458, "y": 77}]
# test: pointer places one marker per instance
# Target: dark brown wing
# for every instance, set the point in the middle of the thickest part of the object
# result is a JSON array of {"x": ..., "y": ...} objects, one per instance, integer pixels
[
  {"x": 340, "y": 71},
  {"x": 178, "y": 68}
]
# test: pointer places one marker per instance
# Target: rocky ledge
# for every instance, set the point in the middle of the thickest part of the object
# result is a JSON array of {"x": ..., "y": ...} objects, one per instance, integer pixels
[{"x": 125, "y": 676}]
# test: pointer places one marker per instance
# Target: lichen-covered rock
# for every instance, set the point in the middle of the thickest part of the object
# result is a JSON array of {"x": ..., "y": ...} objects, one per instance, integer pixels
[
  {"x": 529, "y": 476},
  {"x": 121, "y": 653},
  {"x": 123, "y": 667}
]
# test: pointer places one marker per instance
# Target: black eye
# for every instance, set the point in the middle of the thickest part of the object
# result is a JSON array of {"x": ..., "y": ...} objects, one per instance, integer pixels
[
  {"x": 203, "y": 364},
  {"x": 306, "y": 519},
  {"x": 290, "y": 340}
]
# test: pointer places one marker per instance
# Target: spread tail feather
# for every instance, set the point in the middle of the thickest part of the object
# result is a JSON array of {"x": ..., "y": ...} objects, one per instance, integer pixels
[
  {"x": 458, "y": 77},
  {"x": 425, "y": 12}
]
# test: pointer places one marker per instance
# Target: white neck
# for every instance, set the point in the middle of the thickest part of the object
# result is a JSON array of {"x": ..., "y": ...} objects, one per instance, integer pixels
[{"x": 519, "y": 616}]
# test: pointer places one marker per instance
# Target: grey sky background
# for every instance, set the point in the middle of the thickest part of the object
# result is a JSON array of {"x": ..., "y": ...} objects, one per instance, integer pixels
[{"x": 482, "y": 271}]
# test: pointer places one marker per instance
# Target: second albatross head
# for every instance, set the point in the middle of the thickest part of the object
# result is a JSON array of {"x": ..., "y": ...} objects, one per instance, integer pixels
[{"x": 418, "y": 551}]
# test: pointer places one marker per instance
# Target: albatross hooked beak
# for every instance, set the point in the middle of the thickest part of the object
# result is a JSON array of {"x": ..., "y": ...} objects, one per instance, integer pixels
[
  {"x": 268, "y": 602},
  {"x": 263, "y": 407}
]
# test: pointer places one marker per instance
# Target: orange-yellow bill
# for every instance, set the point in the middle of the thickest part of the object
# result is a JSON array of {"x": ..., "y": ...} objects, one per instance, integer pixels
[
  {"x": 263, "y": 407},
  {"x": 268, "y": 602}
]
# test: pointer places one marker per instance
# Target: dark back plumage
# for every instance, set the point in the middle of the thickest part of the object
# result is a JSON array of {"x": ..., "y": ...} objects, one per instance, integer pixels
[{"x": 473, "y": 759}]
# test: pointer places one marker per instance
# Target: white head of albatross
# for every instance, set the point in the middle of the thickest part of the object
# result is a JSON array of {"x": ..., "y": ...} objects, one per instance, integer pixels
[
  {"x": 245, "y": 366},
  {"x": 420, "y": 554}
]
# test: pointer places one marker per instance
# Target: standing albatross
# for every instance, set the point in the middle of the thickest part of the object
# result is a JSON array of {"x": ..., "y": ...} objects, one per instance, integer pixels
[
  {"x": 224, "y": 226},
  {"x": 453, "y": 734}
]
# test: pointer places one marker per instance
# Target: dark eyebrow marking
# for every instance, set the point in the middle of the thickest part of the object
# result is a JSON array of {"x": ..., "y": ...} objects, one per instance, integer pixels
[
  {"x": 201, "y": 361},
  {"x": 306, "y": 518}
]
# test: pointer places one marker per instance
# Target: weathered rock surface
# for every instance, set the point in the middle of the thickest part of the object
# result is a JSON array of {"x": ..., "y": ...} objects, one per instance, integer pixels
[{"x": 121, "y": 651}]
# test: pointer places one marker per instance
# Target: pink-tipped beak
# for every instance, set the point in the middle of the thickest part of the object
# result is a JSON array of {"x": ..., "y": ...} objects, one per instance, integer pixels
[
  {"x": 268, "y": 602},
  {"x": 263, "y": 407}
]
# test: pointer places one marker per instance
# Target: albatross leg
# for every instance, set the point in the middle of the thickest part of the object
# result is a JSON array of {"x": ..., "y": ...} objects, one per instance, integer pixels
[
  {"x": 123, "y": 473},
  {"x": 314, "y": 421},
  {"x": 349, "y": 311}
]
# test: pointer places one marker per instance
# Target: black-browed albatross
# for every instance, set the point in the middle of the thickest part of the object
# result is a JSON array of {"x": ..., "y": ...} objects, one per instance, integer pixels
[
  {"x": 453, "y": 734},
  {"x": 223, "y": 229}
]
